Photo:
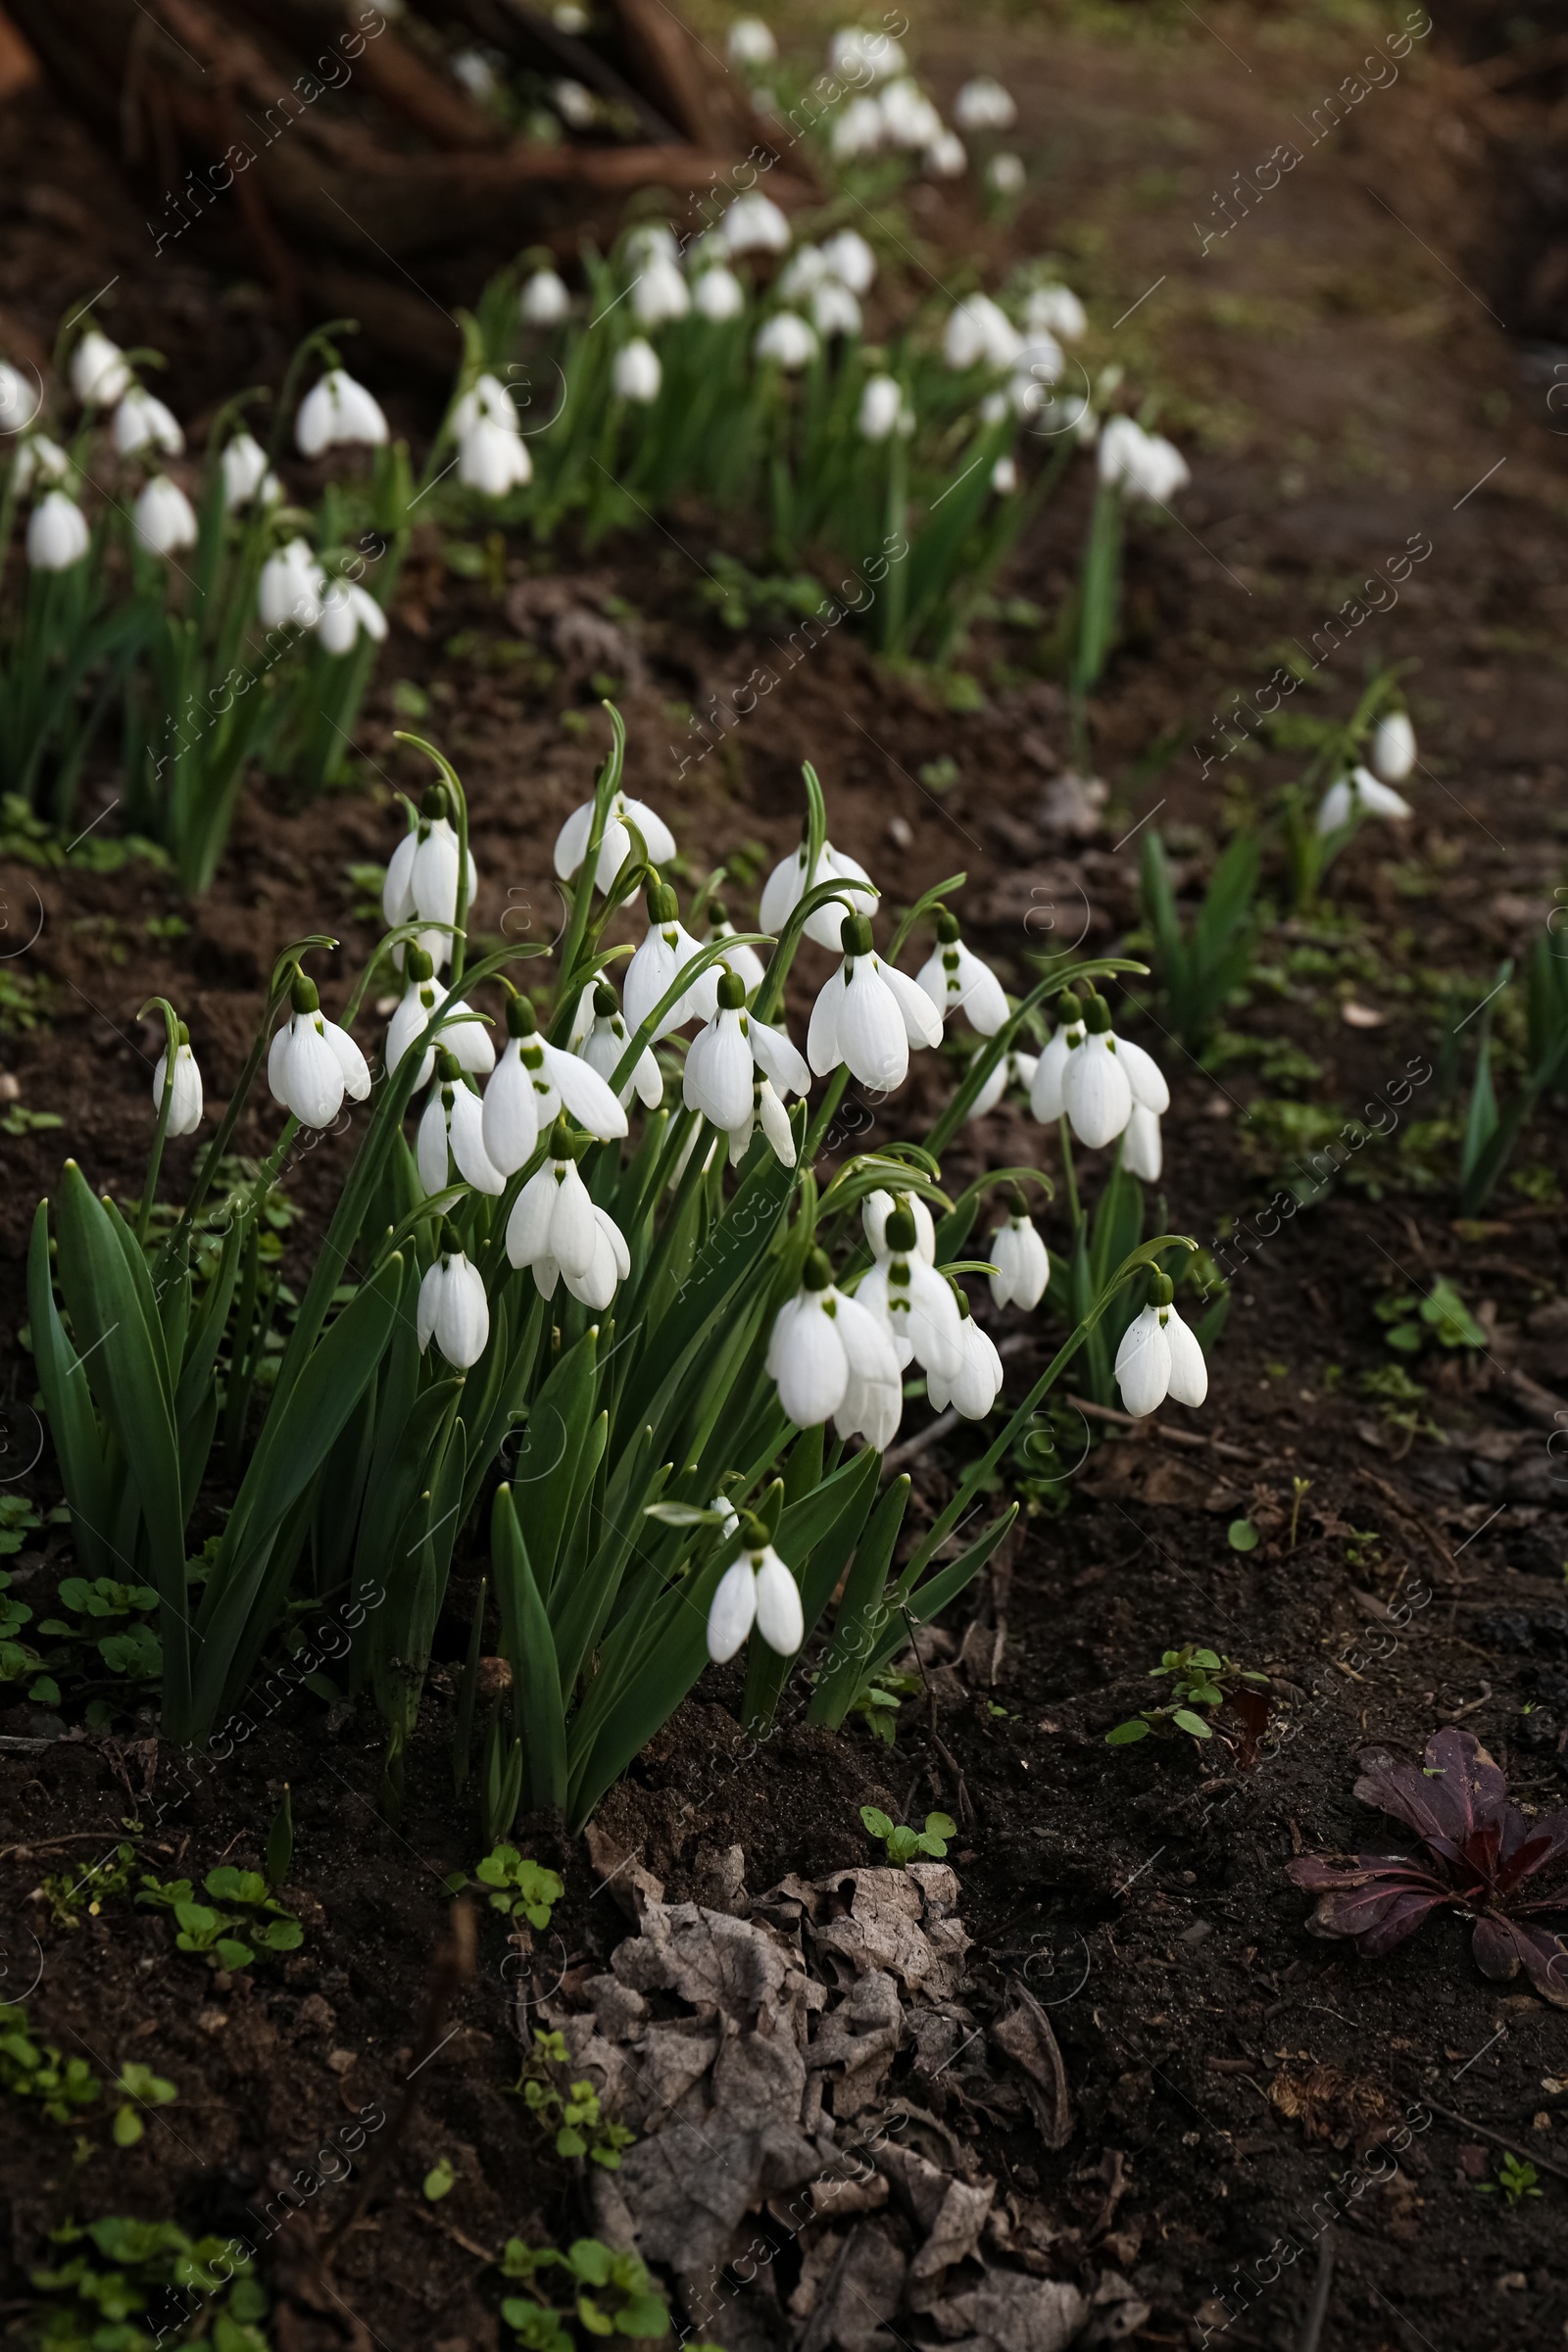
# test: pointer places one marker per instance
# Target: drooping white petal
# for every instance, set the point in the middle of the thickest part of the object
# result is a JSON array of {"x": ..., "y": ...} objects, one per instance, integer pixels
[
  {"x": 779, "y": 1617},
  {"x": 468, "y": 1040},
  {"x": 1044, "y": 1091},
  {"x": 429, "y": 1301},
  {"x": 873, "y": 1036},
  {"x": 350, "y": 1060},
  {"x": 510, "y": 1118},
  {"x": 1095, "y": 1092},
  {"x": 1143, "y": 1364},
  {"x": 584, "y": 1092},
  {"x": 573, "y": 1230},
  {"x": 1188, "y": 1374},
  {"x": 609, "y": 1263},
  {"x": 475, "y": 1163},
  {"x": 922, "y": 1023},
  {"x": 774, "y": 1121},
  {"x": 822, "y": 1048},
  {"x": 777, "y": 1058},
  {"x": 463, "y": 1315},
  {"x": 397, "y": 891},
  {"x": 1141, "y": 1155},
  {"x": 873, "y": 1396},
  {"x": 731, "y": 1611},
  {"x": 718, "y": 1078},
  {"x": 1379, "y": 799},
  {"x": 1393, "y": 746},
  {"x": 430, "y": 1144},
  {"x": 528, "y": 1226},
  {"x": 1143, "y": 1075},
  {"x": 313, "y": 1075},
  {"x": 1022, "y": 1263},
  {"x": 806, "y": 1358},
  {"x": 935, "y": 1326}
]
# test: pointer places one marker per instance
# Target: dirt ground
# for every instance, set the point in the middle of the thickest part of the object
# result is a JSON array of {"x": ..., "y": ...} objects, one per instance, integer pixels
[{"x": 1363, "y": 362}]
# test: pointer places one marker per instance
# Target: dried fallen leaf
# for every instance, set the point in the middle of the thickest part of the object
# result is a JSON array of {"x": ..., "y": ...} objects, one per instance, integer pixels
[{"x": 1023, "y": 2034}]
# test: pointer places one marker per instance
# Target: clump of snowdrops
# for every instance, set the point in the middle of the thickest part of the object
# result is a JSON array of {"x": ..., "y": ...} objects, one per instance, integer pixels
[{"x": 591, "y": 1285}]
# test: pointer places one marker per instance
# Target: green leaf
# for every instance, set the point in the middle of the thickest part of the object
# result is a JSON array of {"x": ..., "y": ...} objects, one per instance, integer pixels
[
  {"x": 439, "y": 2180},
  {"x": 536, "y": 1675},
  {"x": 1126, "y": 1733},
  {"x": 1194, "y": 1724},
  {"x": 877, "y": 1822},
  {"x": 127, "y": 2127},
  {"x": 232, "y": 1955},
  {"x": 1241, "y": 1536}
]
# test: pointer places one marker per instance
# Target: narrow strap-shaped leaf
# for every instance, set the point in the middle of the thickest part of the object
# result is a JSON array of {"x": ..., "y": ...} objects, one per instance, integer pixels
[
  {"x": 926, "y": 1601},
  {"x": 206, "y": 1336},
  {"x": 535, "y": 1673},
  {"x": 74, "y": 1426},
  {"x": 816, "y": 1569},
  {"x": 583, "y": 1603},
  {"x": 860, "y": 1619},
  {"x": 545, "y": 1478},
  {"x": 674, "y": 1651}
]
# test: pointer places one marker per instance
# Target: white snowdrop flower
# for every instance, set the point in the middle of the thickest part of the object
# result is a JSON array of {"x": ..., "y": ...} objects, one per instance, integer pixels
[
  {"x": 1104, "y": 1076},
  {"x": 835, "y": 311},
  {"x": 910, "y": 119},
  {"x": 467, "y": 1039},
  {"x": 1020, "y": 1257},
  {"x": 786, "y": 885},
  {"x": 1006, "y": 175},
  {"x": 750, "y": 42},
  {"x": 758, "y": 1590},
  {"x": 247, "y": 474},
  {"x": 17, "y": 401},
  {"x": 555, "y": 1229},
  {"x": 851, "y": 260},
  {"x": 454, "y": 1311},
  {"x": 717, "y": 294},
  {"x": 859, "y": 130},
  {"x": 769, "y": 1110},
  {"x": 571, "y": 842},
  {"x": 984, "y": 105},
  {"x": 453, "y": 1121},
  {"x": 1360, "y": 794},
  {"x": 493, "y": 459},
  {"x": 312, "y": 1063},
  {"x": 292, "y": 588},
  {"x": 338, "y": 412},
  {"x": 788, "y": 340},
  {"x": 39, "y": 459},
  {"x": 1141, "y": 464},
  {"x": 974, "y": 1384},
  {"x": 637, "y": 374},
  {"x": 980, "y": 333},
  {"x": 422, "y": 877},
  {"x": 348, "y": 613},
  {"x": 486, "y": 402},
  {"x": 143, "y": 422},
  {"x": 1013, "y": 1070},
  {"x": 600, "y": 1038},
  {"x": 955, "y": 980},
  {"x": 163, "y": 517},
  {"x": 753, "y": 223},
  {"x": 833, "y": 1359},
  {"x": 1045, "y": 1087},
  {"x": 868, "y": 1016},
  {"x": 881, "y": 407},
  {"x": 718, "y": 1083},
  {"x": 914, "y": 1303},
  {"x": 57, "y": 533},
  {"x": 659, "y": 293},
  {"x": 666, "y": 949},
  {"x": 535, "y": 1080},
  {"x": 544, "y": 300},
  {"x": 99, "y": 374},
  {"x": 947, "y": 157},
  {"x": 1142, "y": 1153},
  {"x": 475, "y": 72},
  {"x": 1393, "y": 746},
  {"x": 1159, "y": 1358},
  {"x": 567, "y": 15},
  {"x": 649, "y": 242},
  {"x": 1005, "y": 478},
  {"x": 185, "y": 1101},
  {"x": 576, "y": 103},
  {"x": 1055, "y": 311},
  {"x": 865, "y": 56},
  {"x": 878, "y": 1207},
  {"x": 1039, "y": 365}
]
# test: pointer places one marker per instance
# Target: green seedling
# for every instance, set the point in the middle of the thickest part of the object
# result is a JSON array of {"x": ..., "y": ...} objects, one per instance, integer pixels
[
  {"x": 73, "y": 1897},
  {"x": 1517, "y": 2179},
  {"x": 879, "y": 1701},
  {"x": 439, "y": 2180},
  {"x": 261, "y": 1921},
  {"x": 32, "y": 2070},
  {"x": 1198, "y": 1679},
  {"x": 612, "y": 2293},
  {"x": 518, "y": 1887},
  {"x": 126, "y": 2285},
  {"x": 904, "y": 1843},
  {"x": 1442, "y": 1316},
  {"x": 569, "y": 2112},
  {"x": 142, "y": 2089}
]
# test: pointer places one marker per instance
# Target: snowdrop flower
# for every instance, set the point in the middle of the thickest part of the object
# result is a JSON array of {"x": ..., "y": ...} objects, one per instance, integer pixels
[
  {"x": 493, "y": 459},
  {"x": 247, "y": 474},
  {"x": 956, "y": 981},
  {"x": 865, "y": 56},
  {"x": 984, "y": 105},
  {"x": 544, "y": 301},
  {"x": 1141, "y": 464},
  {"x": 1142, "y": 1153},
  {"x": 979, "y": 332},
  {"x": 659, "y": 293},
  {"x": 1006, "y": 175},
  {"x": 185, "y": 1101},
  {"x": 349, "y": 611},
  {"x": 717, "y": 294},
  {"x": 467, "y": 1039},
  {"x": 849, "y": 259},
  {"x": 911, "y": 1300},
  {"x": 600, "y": 1036},
  {"x": 454, "y": 1311},
  {"x": 754, "y": 224},
  {"x": 650, "y": 241},
  {"x": 38, "y": 460},
  {"x": 835, "y": 311},
  {"x": 1020, "y": 1257},
  {"x": 18, "y": 404},
  {"x": 745, "y": 962},
  {"x": 1394, "y": 748},
  {"x": 875, "y": 1211},
  {"x": 555, "y": 1229},
  {"x": 1055, "y": 311},
  {"x": 637, "y": 374},
  {"x": 486, "y": 402},
  {"x": 533, "y": 1081},
  {"x": 882, "y": 409},
  {"x": 908, "y": 118},
  {"x": 1045, "y": 1087},
  {"x": 758, "y": 1590},
  {"x": 1360, "y": 794},
  {"x": 292, "y": 588},
  {"x": 666, "y": 949},
  {"x": 1158, "y": 1357},
  {"x": 99, "y": 374},
  {"x": 337, "y": 412},
  {"x": 422, "y": 876},
  {"x": 786, "y": 885},
  {"x": 1005, "y": 478},
  {"x": 857, "y": 130},
  {"x": 974, "y": 1385},
  {"x": 751, "y": 43},
  {"x": 1014, "y": 1069},
  {"x": 57, "y": 533},
  {"x": 164, "y": 517},
  {"x": 1103, "y": 1077},
  {"x": 312, "y": 1063},
  {"x": 574, "y": 103},
  {"x": 454, "y": 1121},
  {"x": 143, "y": 422},
  {"x": 788, "y": 340},
  {"x": 719, "y": 1080},
  {"x": 571, "y": 842},
  {"x": 834, "y": 1360},
  {"x": 869, "y": 1015},
  {"x": 947, "y": 157},
  {"x": 1039, "y": 365},
  {"x": 567, "y": 16}
]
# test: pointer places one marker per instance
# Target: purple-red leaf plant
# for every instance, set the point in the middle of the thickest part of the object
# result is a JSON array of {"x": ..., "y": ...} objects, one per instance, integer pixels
[{"x": 1487, "y": 1862}]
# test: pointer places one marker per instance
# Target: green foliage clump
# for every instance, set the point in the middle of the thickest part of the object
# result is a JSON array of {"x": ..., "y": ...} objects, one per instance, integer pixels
[
  {"x": 261, "y": 1919},
  {"x": 133, "y": 2285},
  {"x": 518, "y": 1885},
  {"x": 611, "y": 2294},
  {"x": 1198, "y": 1679},
  {"x": 904, "y": 1843},
  {"x": 570, "y": 2111}
]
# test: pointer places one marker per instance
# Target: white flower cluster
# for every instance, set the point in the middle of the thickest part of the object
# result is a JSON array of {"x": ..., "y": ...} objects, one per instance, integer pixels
[{"x": 1369, "y": 791}]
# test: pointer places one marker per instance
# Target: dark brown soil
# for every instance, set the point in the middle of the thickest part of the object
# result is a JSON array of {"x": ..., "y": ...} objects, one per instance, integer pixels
[{"x": 1348, "y": 392}]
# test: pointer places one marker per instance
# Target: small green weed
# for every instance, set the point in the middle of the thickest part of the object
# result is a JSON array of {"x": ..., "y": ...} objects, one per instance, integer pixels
[
  {"x": 611, "y": 2294},
  {"x": 518, "y": 1885},
  {"x": 1517, "y": 2179},
  {"x": 136, "y": 2284},
  {"x": 1199, "y": 1678},
  {"x": 261, "y": 1919},
  {"x": 1443, "y": 1316},
  {"x": 571, "y": 2112},
  {"x": 904, "y": 1843},
  {"x": 71, "y": 1896}
]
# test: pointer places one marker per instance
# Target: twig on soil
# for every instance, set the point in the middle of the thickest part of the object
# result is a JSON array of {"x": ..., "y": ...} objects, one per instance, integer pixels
[
  {"x": 1542, "y": 2164},
  {"x": 1471, "y": 1704},
  {"x": 1317, "y": 2309},
  {"x": 1160, "y": 1429}
]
